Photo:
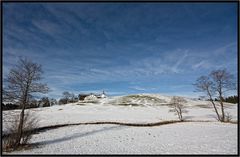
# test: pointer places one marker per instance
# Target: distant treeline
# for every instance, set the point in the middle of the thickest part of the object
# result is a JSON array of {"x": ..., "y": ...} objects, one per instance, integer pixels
[
  {"x": 230, "y": 99},
  {"x": 9, "y": 106},
  {"x": 43, "y": 102}
]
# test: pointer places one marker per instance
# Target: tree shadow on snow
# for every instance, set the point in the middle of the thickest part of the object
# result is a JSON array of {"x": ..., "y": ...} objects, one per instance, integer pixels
[
  {"x": 188, "y": 117},
  {"x": 212, "y": 116},
  {"x": 77, "y": 135}
]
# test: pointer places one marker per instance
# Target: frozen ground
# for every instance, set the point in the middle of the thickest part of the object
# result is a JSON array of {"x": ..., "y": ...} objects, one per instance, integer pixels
[{"x": 180, "y": 138}]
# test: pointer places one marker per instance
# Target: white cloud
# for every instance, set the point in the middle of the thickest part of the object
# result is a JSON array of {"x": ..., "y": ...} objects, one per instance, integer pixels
[
  {"x": 202, "y": 64},
  {"x": 175, "y": 68},
  {"x": 225, "y": 49},
  {"x": 183, "y": 94},
  {"x": 138, "y": 88}
]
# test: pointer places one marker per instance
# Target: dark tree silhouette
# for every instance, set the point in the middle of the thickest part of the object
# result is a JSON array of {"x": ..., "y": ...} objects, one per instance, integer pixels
[
  {"x": 177, "y": 106},
  {"x": 215, "y": 85},
  {"x": 21, "y": 83}
]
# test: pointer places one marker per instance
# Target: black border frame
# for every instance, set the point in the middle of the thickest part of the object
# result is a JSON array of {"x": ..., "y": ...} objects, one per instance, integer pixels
[{"x": 125, "y": 1}]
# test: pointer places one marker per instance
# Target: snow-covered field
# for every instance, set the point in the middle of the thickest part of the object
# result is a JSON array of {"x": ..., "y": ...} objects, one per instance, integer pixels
[{"x": 180, "y": 138}]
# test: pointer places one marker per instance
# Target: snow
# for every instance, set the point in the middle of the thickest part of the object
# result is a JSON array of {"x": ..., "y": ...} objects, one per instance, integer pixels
[
  {"x": 90, "y": 97},
  {"x": 179, "y": 138}
]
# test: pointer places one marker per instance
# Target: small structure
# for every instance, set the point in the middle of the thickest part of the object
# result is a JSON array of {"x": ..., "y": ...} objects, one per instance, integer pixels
[
  {"x": 103, "y": 95},
  {"x": 90, "y": 97},
  {"x": 98, "y": 96},
  {"x": 82, "y": 96}
]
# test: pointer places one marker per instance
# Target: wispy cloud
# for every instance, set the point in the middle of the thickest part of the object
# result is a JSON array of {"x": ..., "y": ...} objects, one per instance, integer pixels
[
  {"x": 186, "y": 94},
  {"x": 201, "y": 64},
  {"x": 223, "y": 50},
  {"x": 47, "y": 27},
  {"x": 175, "y": 68},
  {"x": 101, "y": 47},
  {"x": 138, "y": 88}
]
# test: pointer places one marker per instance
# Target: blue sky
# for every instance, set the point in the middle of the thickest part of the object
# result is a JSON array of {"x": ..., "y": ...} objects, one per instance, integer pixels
[{"x": 122, "y": 48}]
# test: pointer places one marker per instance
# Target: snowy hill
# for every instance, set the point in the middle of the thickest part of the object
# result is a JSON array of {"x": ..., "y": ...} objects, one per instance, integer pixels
[
  {"x": 146, "y": 100},
  {"x": 130, "y": 108},
  {"x": 139, "y": 108}
]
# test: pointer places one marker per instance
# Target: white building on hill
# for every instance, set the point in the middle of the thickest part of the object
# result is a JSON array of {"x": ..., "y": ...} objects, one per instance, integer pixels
[
  {"x": 89, "y": 96},
  {"x": 103, "y": 95}
]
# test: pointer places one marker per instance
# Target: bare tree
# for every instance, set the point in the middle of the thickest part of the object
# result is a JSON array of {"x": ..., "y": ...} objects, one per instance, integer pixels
[
  {"x": 72, "y": 98},
  {"x": 53, "y": 101},
  {"x": 20, "y": 85},
  {"x": 215, "y": 85},
  {"x": 204, "y": 84},
  {"x": 177, "y": 106},
  {"x": 67, "y": 96},
  {"x": 45, "y": 102},
  {"x": 62, "y": 101},
  {"x": 30, "y": 122}
]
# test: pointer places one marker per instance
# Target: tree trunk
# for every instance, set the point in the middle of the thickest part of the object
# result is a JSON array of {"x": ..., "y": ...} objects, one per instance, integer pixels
[
  {"x": 180, "y": 113},
  {"x": 218, "y": 116},
  {"x": 214, "y": 106},
  {"x": 222, "y": 108},
  {"x": 179, "y": 116},
  {"x": 221, "y": 101},
  {"x": 20, "y": 127}
]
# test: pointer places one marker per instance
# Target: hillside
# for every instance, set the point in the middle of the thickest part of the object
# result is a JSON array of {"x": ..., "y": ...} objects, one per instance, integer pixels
[{"x": 140, "y": 108}]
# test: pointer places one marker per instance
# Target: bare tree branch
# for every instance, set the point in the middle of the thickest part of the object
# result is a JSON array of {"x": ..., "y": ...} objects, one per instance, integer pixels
[
  {"x": 178, "y": 107},
  {"x": 21, "y": 83},
  {"x": 216, "y": 83}
]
